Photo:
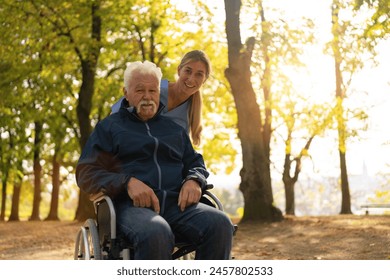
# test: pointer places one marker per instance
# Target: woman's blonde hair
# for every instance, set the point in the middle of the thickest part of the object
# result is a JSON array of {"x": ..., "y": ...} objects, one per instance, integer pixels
[{"x": 195, "y": 112}]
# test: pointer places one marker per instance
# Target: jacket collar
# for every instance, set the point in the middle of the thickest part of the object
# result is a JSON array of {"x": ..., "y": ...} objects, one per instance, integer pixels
[{"x": 130, "y": 110}]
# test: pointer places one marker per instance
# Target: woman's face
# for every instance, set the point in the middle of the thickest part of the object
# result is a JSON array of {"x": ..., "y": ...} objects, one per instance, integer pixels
[{"x": 191, "y": 77}]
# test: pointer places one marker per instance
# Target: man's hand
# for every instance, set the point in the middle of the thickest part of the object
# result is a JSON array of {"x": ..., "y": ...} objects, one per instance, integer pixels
[
  {"x": 190, "y": 194},
  {"x": 142, "y": 195}
]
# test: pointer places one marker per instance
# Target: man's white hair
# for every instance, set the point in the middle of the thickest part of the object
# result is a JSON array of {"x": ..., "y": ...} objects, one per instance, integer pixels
[{"x": 145, "y": 67}]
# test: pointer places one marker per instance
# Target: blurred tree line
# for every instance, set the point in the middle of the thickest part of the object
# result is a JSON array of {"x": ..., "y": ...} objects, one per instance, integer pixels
[{"x": 61, "y": 70}]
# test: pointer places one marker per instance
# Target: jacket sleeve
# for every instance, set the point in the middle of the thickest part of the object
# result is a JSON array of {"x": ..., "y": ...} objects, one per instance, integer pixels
[
  {"x": 97, "y": 169},
  {"x": 194, "y": 166}
]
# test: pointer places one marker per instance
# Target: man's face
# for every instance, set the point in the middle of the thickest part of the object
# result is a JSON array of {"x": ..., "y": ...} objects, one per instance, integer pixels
[{"x": 144, "y": 94}]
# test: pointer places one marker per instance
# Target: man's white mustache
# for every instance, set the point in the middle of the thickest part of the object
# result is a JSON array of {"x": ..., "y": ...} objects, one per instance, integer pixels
[{"x": 146, "y": 103}]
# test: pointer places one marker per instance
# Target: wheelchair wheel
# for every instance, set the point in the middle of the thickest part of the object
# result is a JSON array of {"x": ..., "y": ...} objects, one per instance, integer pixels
[{"x": 87, "y": 242}]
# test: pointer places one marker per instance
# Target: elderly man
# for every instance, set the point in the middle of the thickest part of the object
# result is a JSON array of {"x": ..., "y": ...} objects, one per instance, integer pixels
[{"x": 145, "y": 162}]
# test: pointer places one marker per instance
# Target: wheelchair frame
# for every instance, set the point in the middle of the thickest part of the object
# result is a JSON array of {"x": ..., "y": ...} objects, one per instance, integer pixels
[{"x": 98, "y": 239}]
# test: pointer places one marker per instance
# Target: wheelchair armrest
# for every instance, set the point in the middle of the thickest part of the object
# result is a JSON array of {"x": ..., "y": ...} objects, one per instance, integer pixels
[
  {"x": 100, "y": 198},
  {"x": 96, "y": 196}
]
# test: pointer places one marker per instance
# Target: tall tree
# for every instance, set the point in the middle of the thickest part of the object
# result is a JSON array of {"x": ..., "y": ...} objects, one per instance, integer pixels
[
  {"x": 350, "y": 48},
  {"x": 17, "y": 141},
  {"x": 340, "y": 95},
  {"x": 35, "y": 215},
  {"x": 280, "y": 46},
  {"x": 255, "y": 173},
  {"x": 88, "y": 62}
]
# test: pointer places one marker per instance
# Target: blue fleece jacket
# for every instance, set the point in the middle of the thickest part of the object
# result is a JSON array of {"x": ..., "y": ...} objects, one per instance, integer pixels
[{"x": 157, "y": 152}]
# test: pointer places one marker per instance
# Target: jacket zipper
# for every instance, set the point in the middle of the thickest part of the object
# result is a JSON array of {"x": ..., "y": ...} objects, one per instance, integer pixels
[{"x": 157, "y": 166}]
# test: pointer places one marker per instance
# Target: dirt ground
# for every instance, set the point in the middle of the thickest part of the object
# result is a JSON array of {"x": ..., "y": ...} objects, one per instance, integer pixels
[{"x": 297, "y": 238}]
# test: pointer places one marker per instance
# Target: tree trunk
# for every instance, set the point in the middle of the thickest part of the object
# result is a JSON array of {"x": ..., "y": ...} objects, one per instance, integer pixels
[
  {"x": 289, "y": 184},
  {"x": 35, "y": 216},
  {"x": 345, "y": 194},
  {"x": 290, "y": 198},
  {"x": 340, "y": 95},
  {"x": 88, "y": 65},
  {"x": 288, "y": 179},
  {"x": 255, "y": 174},
  {"x": 53, "y": 212},
  {"x": 4, "y": 180},
  {"x": 5, "y": 170},
  {"x": 85, "y": 207},
  {"x": 14, "y": 216}
]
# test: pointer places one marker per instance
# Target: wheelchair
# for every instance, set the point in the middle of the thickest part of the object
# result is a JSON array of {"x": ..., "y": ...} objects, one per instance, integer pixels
[{"x": 98, "y": 239}]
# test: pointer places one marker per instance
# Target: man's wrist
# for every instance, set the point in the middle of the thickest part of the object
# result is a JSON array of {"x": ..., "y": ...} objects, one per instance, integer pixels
[{"x": 193, "y": 178}]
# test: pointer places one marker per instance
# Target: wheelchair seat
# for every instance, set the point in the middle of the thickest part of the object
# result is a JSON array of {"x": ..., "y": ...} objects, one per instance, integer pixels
[{"x": 98, "y": 239}]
